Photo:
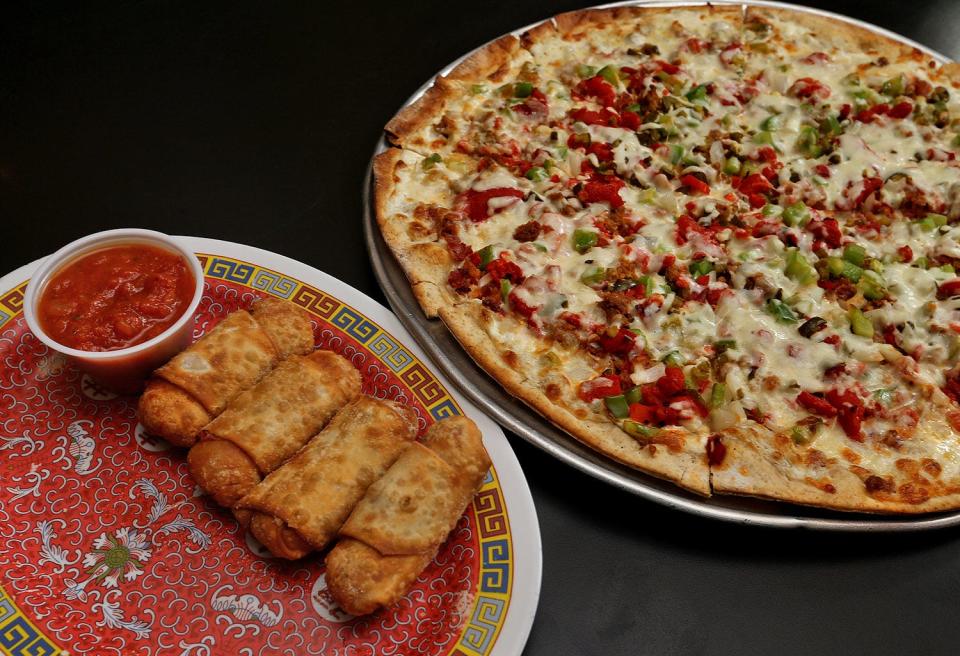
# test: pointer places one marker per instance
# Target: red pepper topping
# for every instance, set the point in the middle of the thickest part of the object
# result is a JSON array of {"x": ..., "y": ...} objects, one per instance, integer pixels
[
  {"x": 672, "y": 382},
  {"x": 694, "y": 184},
  {"x": 828, "y": 231},
  {"x": 901, "y": 110},
  {"x": 754, "y": 184},
  {"x": 850, "y": 408},
  {"x": 603, "y": 151},
  {"x": 643, "y": 414},
  {"x": 629, "y": 120},
  {"x": 599, "y": 388},
  {"x": 816, "y": 405},
  {"x": 597, "y": 87},
  {"x": 807, "y": 87},
  {"x": 476, "y": 202},
  {"x": 667, "y": 67},
  {"x": 619, "y": 344},
  {"x": 519, "y": 306},
  {"x": 949, "y": 289},
  {"x": 952, "y": 387},
  {"x": 606, "y": 191},
  {"x": 502, "y": 268},
  {"x": 905, "y": 253},
  {"x": 716, "y": 450}
]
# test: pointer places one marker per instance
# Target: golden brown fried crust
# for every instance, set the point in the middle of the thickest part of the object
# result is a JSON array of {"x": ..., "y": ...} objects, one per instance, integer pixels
[
  {"x": 361, "y": 580},
  {"x": 222, "y": 469},
  {"x": 280, "y": 539},
  {"x": 167, "y": 411},
  {"x": 287, "y": 326}
]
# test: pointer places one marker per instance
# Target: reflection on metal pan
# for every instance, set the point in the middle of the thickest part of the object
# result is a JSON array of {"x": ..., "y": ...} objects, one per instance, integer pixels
[{"x": 517, "y": 417}]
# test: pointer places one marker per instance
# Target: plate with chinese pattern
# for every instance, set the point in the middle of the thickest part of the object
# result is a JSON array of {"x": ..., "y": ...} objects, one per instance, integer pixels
[{"x": 107, "y": 546}]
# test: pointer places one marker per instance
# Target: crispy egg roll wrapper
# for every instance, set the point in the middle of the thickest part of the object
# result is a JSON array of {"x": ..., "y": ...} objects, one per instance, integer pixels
[
  {"x": 301, "y": 506},
  {"x": 398, "y": 527},
  {"x": 197, "y": 384},
  {"x": 264, "y": 426}
]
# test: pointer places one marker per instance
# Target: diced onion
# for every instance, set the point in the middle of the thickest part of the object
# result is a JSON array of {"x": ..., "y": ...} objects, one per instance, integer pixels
[{"x": 651, "y": 375}]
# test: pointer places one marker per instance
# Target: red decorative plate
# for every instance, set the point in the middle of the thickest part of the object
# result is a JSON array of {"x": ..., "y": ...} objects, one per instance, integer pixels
[{"x": 108, "y": 547}]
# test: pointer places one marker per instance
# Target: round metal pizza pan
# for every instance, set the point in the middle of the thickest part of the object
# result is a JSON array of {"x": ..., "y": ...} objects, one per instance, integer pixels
[{"x": 520, "y": 419}]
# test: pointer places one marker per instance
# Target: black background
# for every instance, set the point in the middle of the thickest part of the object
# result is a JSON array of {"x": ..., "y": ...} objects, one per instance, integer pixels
[{"x": 254, "y": 123}]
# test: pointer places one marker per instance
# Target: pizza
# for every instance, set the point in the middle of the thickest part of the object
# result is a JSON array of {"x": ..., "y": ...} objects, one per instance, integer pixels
[{"x": 718, "y": 244}]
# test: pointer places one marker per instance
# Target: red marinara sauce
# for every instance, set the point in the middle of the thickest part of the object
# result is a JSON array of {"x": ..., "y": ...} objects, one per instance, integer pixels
[{"x": 116, "y": 297}]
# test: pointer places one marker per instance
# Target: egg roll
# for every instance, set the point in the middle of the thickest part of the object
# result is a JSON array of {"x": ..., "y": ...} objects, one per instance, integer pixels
[
  {"x": 399, "y": 525},
  {"x": 300, "y": 507},
  {"x": 192, "y": 389},
  {"x": 264, "y": 426}
]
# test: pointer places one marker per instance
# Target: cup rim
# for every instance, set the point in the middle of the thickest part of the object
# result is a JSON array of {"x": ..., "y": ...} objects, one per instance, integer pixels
[{"x": 88, "y": 244}]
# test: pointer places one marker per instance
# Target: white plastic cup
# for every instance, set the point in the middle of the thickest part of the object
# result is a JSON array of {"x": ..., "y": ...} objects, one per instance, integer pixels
[{"x": 123, "y": 370}]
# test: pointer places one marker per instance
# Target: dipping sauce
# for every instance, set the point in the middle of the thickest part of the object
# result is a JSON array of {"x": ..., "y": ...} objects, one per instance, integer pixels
[{"x": 116, "y": 297}]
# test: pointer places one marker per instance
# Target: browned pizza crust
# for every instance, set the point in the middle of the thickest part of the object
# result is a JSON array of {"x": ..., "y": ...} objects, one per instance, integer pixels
[
  {"x": 685, "y": 466},
  {"x": 424, "y": 260},
  {"x": 840, "y": 34},
  {"x": 749, "y": 469},
  {"x": 418, "y": 115}
]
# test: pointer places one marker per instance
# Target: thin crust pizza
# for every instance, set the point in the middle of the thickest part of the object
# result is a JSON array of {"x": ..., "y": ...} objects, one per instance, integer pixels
[{"x": 718, "y": 244}]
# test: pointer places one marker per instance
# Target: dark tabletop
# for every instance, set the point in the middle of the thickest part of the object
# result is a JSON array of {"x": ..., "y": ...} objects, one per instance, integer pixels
[{"x": 255, "y": 123}]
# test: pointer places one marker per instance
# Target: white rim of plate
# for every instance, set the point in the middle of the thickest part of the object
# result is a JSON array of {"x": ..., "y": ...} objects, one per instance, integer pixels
[{"x": 524, "y": 525}]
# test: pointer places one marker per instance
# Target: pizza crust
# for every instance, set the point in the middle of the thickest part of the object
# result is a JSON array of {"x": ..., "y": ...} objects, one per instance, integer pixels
[{"x": 748, "y": 471}]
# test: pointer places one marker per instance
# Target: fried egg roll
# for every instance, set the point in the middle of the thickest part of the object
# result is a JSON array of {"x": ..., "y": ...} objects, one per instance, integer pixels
[
  {"x": 264, "y": 426},
  {"x": 192, "y": 389},
  {"x": 397, "y": 528},
  {"x": 300, "y": 507}
]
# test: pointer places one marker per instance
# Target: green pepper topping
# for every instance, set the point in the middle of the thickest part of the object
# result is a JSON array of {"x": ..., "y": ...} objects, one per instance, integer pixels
[
  {"x": 860, "y": 324},
  {"x": 871, "y": 286},
  {"x": 808, "y": 143},
  {"x": 801, "y": 434},
  {"x": 798, "y": 268},
  {"x": 676, "y": 153},
  {"x": 724, "y": 345},
  {"x": 486, "y": 255},
  {"x": 763, "y": 137},
  {"x": 699, "y": 92},
  {"x": 781, "y": 311},
  {"x": 772, "y": 123},
  {"x": 647, "y": 283},
  {"x": 540, "y": 247},
  {"x": 921, "y": 262},
  {"x": 731, "y": 166},
  {"x": 894, "y": 86},
  {"x": 431, "y": 161},
  {"x": 634, "y": 429},
  {"x": 876, "y": 266},
  {"x": 700, "y": 267},
  {"x": 618, "y": 407},
  {"x": 477, "y": 88},
  {"x": 673, "y": 359},
  {"x": 831, "y": 125},
  {"x": 855, "y": 253},
  {"x": 796, "y": 214},
  {"x": 581, "y": 139},
  {"x": 933, "y": 221},
  {"x": 718, "y": 395},
  {"x": 593, "y": 276},
  {"x": 839, "y": 267},
  {"x": 611, "y": 74},
  {"x": 522, "y": 89},
  {"x": 884, "y": 396},
  {"x": 536, "y": 174},
  {"x": 584, "y": 70},
  {"x": 948, "y": 268},
  {"x": 504, "y": 289},
  {"x": 584, "y": 240},
  {"x": 634, "y": 395}
]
